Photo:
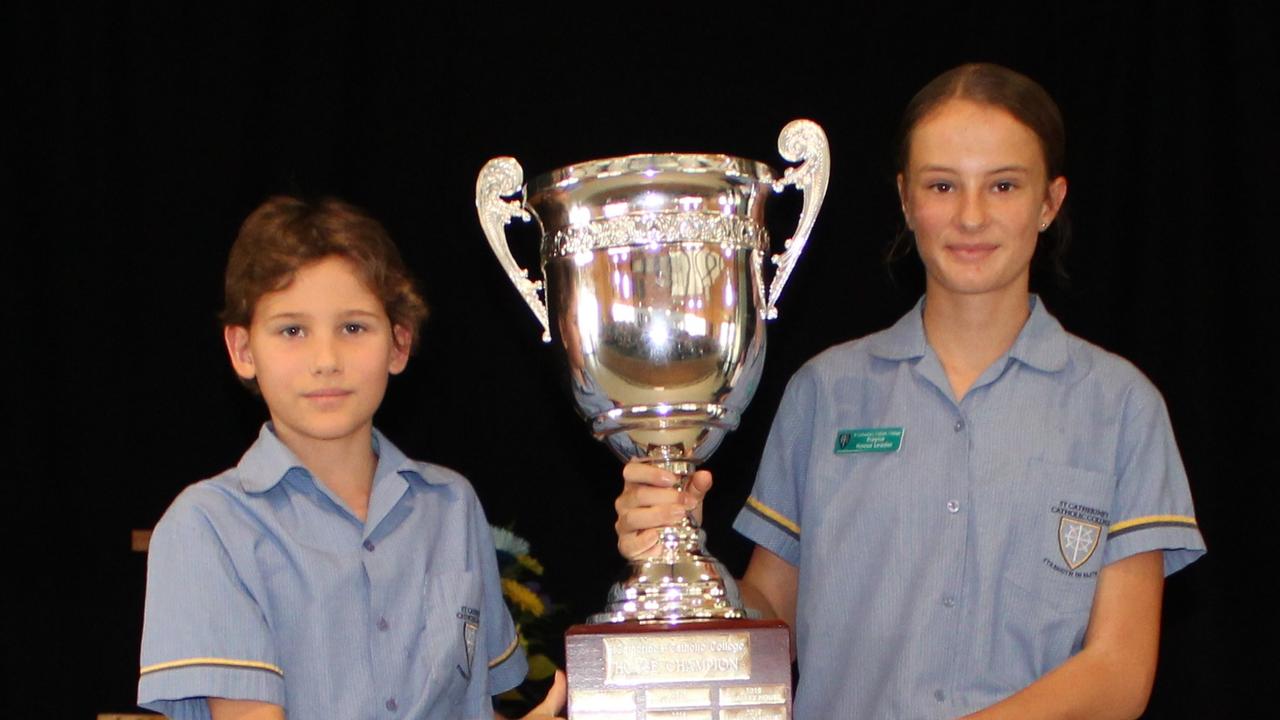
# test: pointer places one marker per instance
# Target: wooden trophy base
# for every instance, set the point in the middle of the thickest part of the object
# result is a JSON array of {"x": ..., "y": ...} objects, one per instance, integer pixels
[{"x": 701, "y": 670}]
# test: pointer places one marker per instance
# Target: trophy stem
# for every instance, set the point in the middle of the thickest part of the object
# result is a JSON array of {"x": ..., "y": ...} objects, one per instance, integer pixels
[{"x": 681, "y": 583}]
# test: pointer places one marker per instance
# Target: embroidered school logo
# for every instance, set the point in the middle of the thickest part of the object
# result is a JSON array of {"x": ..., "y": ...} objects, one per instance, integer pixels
[
  {"x": 470, "y": 618},
  {"x": 1077, "y": 539}
]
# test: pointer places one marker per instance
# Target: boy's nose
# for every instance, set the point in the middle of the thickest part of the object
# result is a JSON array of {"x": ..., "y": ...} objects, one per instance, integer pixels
[{"x": 325, "y": 361}]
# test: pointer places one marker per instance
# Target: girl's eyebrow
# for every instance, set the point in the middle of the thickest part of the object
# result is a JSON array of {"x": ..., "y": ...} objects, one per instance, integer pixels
[{"x": 1003, "y": 169}]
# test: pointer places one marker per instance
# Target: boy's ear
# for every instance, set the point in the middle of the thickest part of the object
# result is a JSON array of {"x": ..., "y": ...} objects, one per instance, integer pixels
[
  {"x": 401, "y": 343},
  {"x": 237, "y": 339}
]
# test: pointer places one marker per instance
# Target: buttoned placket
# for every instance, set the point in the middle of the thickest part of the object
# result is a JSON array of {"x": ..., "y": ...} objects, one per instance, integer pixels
[
  {"x": 950, "y": 497},
  {"x": 379, "y": 571},
  {"x": 951, "y": 511}
]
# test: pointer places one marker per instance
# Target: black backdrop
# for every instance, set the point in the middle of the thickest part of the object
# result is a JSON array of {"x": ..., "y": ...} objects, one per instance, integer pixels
[{"x": 144, "y": 135}]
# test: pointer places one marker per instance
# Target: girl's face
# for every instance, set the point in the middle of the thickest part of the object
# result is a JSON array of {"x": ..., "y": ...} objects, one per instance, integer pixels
[{"x": 976, "y": 194}]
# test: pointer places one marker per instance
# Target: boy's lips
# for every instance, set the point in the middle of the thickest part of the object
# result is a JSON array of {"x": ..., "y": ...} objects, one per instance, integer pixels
[{"x": 326, "y": 393}]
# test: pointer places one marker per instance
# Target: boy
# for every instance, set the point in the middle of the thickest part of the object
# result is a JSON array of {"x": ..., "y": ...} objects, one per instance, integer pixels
[{"x": 326, "y": 575}]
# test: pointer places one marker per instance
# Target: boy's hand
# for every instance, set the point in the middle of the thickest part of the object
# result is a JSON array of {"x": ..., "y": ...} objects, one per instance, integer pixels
[
  {"x": 648, "y": 502},
  {"x": 552, "y": 705}
]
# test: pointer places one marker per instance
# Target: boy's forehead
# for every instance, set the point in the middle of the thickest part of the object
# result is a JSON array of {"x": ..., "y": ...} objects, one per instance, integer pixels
[{"x": 329, "y": 285}]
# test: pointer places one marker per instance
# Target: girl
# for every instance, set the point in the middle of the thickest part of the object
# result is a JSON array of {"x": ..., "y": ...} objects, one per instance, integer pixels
[{"x": 973, "y": 511}]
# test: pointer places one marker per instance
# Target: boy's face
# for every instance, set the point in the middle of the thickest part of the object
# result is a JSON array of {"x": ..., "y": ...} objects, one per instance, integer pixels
[{"x": 321, "y": 350}]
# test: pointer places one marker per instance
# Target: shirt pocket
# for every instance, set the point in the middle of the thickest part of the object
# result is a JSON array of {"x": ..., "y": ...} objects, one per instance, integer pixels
[
  {"x": 451, "y": 639},
  {"x": 1060, "y": 530}
]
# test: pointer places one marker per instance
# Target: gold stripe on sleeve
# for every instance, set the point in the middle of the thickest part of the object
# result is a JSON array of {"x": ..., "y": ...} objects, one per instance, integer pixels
[
  {"x": 515, "y": 642},
  {"x": 1152, "y": 520},
  {"x": 220, "y": 662},
  {"x": 773, "y": 515}
]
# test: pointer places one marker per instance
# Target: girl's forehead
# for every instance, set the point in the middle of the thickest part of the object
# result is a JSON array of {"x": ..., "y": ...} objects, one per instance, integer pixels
[{"x": 961, "y": 131}]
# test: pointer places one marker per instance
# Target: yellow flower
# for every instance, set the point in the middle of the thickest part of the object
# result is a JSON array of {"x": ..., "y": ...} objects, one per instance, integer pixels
[
  {"x": 522, "y": 596},
  {"x": 528, "y": 562}
]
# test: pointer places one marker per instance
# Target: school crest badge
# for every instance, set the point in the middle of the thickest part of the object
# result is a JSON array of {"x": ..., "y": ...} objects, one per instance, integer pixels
[
  {"x": 1077, "y": 539},
  {"x": 470, "y": 618}
]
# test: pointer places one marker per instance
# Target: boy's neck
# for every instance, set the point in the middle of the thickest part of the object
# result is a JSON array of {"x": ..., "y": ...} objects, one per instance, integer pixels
[{"x": 344, "y": 465}]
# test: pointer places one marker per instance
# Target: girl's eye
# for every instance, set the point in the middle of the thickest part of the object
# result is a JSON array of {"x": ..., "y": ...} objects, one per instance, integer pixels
[
  {"x": 940, "y": 186},
  {"x": 291, "y": 331},
  {"x": 353, "y": 328},
  {"x": 1005, "y": 186}
]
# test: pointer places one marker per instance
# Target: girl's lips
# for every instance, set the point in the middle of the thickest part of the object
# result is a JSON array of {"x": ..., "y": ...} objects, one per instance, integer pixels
[{"x": 972, "y": 251}]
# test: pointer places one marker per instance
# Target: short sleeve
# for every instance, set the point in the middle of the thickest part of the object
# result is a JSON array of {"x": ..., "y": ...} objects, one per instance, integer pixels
[
  {"x": 772, "y": 515},
  {"x": 1152, "y": 508},
  {"x": 506, "y": 659},
  {"x": 203, "y": 635}
]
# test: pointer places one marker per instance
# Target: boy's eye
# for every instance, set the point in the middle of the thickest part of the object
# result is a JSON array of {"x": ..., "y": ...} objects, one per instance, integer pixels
[
  {"x": 353, "y": 328},
  {"x": 941, "y": 186},
  {"x": 1005, "y": 186},
  {"x": 291, "y": 331}
]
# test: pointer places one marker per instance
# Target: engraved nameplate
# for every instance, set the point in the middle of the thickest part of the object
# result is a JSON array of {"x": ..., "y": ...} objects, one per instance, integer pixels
[
  {"x": 604, "y": 701},
  {"x": 754, "y": 713},
  {"x": 677, "y": 697},
  {"x": 677, "y": 657},
  {"x": 753, "y": 695},
  {"x": 680, "y": 715}
]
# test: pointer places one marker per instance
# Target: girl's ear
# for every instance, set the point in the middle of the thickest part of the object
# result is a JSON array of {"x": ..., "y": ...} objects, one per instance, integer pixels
[{"x": 1054, "y": 196}]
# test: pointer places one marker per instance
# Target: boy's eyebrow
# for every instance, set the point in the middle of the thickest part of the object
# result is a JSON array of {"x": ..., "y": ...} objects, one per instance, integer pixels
[
  {"x": 288, "y": 316},
  {"x": 294, "y": 315}
]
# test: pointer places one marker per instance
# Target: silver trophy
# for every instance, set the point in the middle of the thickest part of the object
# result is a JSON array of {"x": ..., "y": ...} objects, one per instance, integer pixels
[{"x": 654, "y": 276}]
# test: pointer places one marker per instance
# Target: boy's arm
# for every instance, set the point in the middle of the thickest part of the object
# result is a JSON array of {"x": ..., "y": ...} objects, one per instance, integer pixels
[
  {"x": 223, "y": 709},
  {"x": 551, "y": 706},
  {"x": 1112, "y": 676},
  {"x": 203, "y": 632}
]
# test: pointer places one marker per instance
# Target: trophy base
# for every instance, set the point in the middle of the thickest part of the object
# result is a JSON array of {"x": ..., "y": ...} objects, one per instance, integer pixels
[
  {"x": 701, "y": 670},
  {"x": 681, "y": 584}
]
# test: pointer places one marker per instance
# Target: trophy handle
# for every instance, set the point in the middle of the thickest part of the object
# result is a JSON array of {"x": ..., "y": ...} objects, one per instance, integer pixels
[
  {"x": 504, "y": 176},
  {"x": 800, "y": 141}
]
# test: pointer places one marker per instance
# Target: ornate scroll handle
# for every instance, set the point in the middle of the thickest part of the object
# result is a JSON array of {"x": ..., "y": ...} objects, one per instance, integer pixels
[
  {"x": 504, "y": 176},
  {"x": 800, "y": 141}
]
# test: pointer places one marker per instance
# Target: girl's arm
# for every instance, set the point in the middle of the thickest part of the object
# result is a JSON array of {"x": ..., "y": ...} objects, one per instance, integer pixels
[{"x": 1112, "y": 676}]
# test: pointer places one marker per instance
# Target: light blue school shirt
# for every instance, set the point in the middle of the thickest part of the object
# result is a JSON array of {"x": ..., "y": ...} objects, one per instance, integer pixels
[
  {"x": 262, "y": 585},
  {"x": 944, "y": 576}
]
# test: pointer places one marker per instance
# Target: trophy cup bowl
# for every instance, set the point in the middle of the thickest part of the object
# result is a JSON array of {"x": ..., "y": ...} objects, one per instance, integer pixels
[
  {"x": 654, "y": 284},
  {"x": 654, "y": 279}
]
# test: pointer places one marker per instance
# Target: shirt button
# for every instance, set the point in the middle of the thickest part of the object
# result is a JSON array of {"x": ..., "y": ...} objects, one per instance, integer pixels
[
  {"x": 383, "y": 624},
  {"x": 953, "y": 506},
  {"x": 959, "y": 425},
  {"x": 368, "y": 545},
  {"x": 939, "y": 695},
  {"x": 391, "y": 704},
  {"x": 949, "y": 601}
]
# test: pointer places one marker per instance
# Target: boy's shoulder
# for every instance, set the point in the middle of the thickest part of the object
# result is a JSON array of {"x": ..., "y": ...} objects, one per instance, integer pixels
[{"x": 250, "y": 493}]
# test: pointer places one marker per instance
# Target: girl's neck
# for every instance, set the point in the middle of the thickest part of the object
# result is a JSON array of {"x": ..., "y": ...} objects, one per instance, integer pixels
[{"x": 969, "y": 332}]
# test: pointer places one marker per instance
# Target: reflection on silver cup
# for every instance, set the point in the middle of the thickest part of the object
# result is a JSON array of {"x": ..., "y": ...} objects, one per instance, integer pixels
[{"x": 654, "y": 279}]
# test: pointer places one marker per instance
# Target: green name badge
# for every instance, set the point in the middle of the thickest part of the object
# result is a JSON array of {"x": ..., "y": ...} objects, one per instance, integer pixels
[{"x": 869, "y": 440}]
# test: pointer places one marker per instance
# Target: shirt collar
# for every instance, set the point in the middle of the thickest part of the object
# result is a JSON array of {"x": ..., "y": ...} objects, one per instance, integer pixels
[
  {"x": 268, "y": 461},
  {"x": 1041, "y": 344}
]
